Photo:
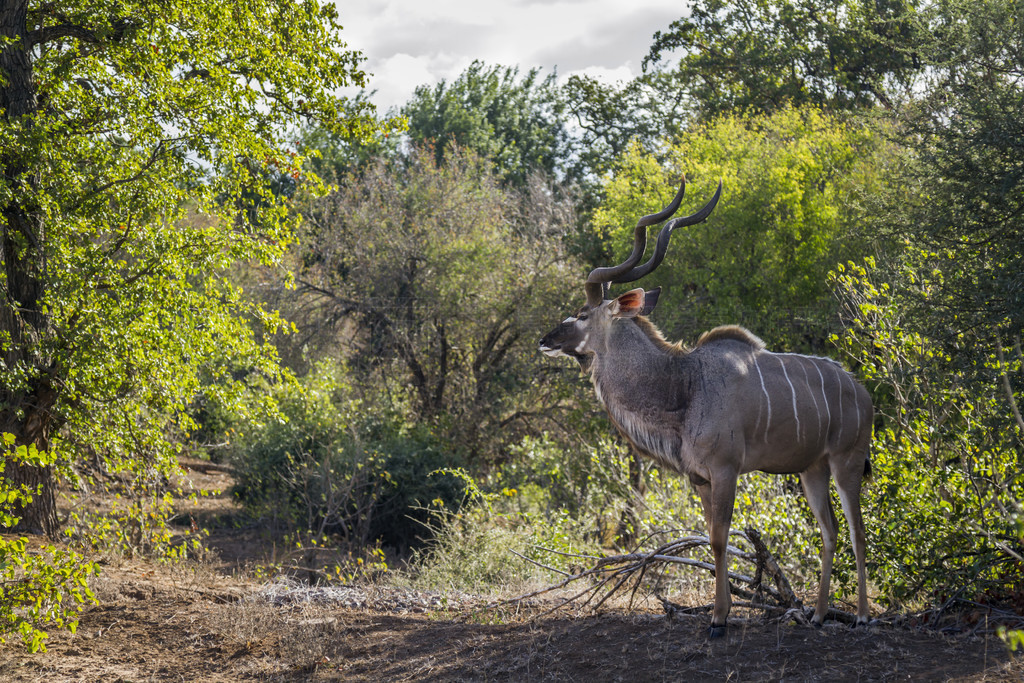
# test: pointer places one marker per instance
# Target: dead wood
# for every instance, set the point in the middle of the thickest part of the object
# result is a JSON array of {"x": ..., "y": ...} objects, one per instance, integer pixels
[{"x": 764, "y": 588}]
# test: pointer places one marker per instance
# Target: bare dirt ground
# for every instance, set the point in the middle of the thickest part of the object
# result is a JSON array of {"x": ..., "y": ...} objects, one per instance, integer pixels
[{"x": 211, "y": 622}]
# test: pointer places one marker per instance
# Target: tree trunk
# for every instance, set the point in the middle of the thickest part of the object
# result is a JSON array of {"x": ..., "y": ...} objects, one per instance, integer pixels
[
  {"x": 27, "y": 393},
  {"x": 40, "y": 515}
]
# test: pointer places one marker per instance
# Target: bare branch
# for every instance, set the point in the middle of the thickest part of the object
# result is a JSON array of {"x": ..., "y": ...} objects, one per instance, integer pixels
[
  {"x": 619, "y": 570},
  {"x": 542, "y": 566},
  {"x": 1007, "y": 388}
]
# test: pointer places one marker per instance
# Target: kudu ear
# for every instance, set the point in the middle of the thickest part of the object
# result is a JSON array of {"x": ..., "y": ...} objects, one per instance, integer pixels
[
  {"x": 650, "y": 300},
  {"x": 630, "y": 304}
]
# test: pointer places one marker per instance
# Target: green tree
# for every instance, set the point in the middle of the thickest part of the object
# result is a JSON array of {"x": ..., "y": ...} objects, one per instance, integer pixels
[
  {"x": 611, "y": 117},
  {"x": 139, "y": 142},
  {"x": 750, "y": 57},
  {"x": 515, "y": 121},
  {"x": 762, "y": 55},
  {"x": 937, "y": 321},
  {"x": 962, "y": 192},
  {"x": 786, "y": 217}
]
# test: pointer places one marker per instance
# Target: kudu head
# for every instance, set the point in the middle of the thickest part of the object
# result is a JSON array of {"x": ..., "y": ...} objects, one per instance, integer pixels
[{"x": 586, "y": 332}]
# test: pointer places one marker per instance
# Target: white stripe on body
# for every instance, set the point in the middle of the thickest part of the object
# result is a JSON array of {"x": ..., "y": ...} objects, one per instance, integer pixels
[
  {"x": 839, "y": 436},
  {"x": 792, "y": 389},
  {"x": 856, "y": 408},
  {"x": 825, "y": 399},
  {"x": 768, "y": 400},
  {"x": 817, "y": 410}
]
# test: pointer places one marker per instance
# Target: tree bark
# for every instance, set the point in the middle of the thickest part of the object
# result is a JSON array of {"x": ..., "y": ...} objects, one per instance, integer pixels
[{"x": 26, "y": 405}]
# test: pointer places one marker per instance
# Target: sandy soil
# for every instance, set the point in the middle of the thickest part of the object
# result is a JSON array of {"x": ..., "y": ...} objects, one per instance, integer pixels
[{"x": 208, "y": 623}]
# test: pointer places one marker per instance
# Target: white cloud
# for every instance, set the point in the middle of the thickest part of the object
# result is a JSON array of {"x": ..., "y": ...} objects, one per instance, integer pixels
[
  {"x": 619, "y": 74},
  {"x": 410, "y": 42},
  {"x": 396, "y": 77}
]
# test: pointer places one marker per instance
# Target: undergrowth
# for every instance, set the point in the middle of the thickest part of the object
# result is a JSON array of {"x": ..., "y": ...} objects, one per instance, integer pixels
[{"x": 506, "y": 539}]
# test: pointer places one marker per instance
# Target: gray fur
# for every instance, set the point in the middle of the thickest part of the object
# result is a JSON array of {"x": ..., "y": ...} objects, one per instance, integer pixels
[{"x": 725, "y": 408}]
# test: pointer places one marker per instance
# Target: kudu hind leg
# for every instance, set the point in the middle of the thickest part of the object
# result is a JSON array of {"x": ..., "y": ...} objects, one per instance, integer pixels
[
  {"x": 848, "y": 482},
  {"x": 815, "y": 482}
]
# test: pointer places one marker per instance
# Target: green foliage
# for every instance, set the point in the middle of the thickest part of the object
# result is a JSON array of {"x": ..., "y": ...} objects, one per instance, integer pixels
[
  {"x": 588, "y": 478},
  {"x": 757, "y": 55},
  {"x": 1014, "y": 639},
  {"x": 750, "y": 57},
  {"x": 143, "y": 166},
  {"x": 330, "y": 467},
  {"x": 514, "y": 122},
  {"x": 42, "y": 587},
  {"x": 486, "y": 544},
  {"x": 332, "y": 156},
  {"x": 961, "y": 191},
  {"x": 471, "y": 552},
  {"x": 787, "y": 215},
  {"x": 946, "y": 462},
  {"x": 136, "y": 524},
  {"x": 773, "y": 505}
]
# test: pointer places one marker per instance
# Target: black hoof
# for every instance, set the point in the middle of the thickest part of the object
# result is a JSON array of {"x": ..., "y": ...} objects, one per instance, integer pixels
[
  {"x": 716, "y": 632},
  {"x": 816, "y": 624}
]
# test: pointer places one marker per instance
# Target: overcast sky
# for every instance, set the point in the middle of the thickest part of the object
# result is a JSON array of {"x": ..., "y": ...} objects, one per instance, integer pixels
[{"x": 411, "y": 42}]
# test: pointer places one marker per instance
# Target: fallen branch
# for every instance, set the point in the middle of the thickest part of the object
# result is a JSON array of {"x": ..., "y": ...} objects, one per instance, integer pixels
[
  {"x": 766, "y": 563},
  {"x": 539, "y": 564},
  {"x": 608, "y": 575}
]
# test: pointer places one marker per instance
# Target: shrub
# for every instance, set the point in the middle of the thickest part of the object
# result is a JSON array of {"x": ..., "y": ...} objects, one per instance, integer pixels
[
  {"x": 943, "y": 508},
  {"x": 40, "y": 589},
  {"x": 552, "y": 503},
  {"x": 330, "y": 466},
  {"x": 137, "y": 523},
  {"x": 486, "y": 545}
]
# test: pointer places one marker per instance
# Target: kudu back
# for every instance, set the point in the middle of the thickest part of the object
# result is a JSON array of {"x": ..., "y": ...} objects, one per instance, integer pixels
[{"x": 724, "y": 408}]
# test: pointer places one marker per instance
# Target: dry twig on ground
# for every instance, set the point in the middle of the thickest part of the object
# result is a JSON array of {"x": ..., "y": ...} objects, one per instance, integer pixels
[{"x": 607, "y": 576}]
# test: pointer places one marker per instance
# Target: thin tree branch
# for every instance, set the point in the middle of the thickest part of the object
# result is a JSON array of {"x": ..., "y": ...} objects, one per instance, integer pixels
[{"x": 1007, "y": 388}]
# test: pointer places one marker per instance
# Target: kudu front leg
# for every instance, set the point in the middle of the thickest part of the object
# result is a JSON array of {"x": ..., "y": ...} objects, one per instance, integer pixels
[{"x": 718, "y": 498}]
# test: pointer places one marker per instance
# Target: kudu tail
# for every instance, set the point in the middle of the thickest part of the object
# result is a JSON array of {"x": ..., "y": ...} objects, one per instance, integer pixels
[{"x": 867, "y": 469}]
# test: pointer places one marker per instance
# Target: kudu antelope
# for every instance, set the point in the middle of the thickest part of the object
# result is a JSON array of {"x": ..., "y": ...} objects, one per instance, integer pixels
[{"x": 724, "y": 408}]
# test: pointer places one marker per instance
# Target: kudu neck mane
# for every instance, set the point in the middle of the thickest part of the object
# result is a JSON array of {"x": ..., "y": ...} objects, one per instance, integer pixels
[
  {"x": 659, "y": 356},
  {"x": 733, "y": 332},
  {"x": 652, "y": 332}
]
